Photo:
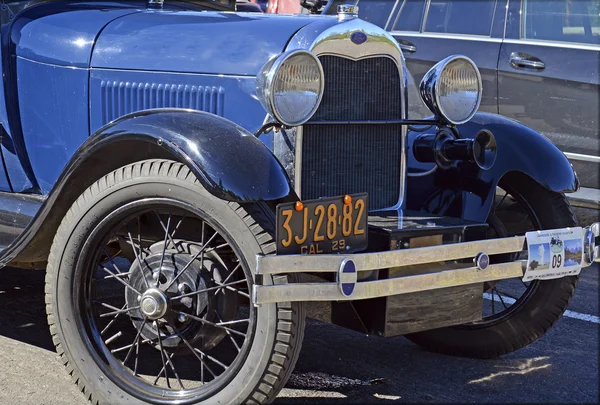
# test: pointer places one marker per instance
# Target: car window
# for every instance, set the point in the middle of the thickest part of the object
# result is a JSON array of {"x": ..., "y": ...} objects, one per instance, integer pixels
[
  {"x": 562, "y": 20},
  {"x": 376, "y": 12},
  {"x": 460, "y": 17},
  {"x": 410, "y": 16}
]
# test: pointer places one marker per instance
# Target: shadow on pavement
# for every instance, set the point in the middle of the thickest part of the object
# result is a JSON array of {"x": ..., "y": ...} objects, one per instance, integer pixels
[{"x": 22, "y": 308}]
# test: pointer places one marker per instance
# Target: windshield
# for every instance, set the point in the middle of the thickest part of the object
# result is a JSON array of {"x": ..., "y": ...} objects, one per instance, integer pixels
[{"x": 14, "y": 7}]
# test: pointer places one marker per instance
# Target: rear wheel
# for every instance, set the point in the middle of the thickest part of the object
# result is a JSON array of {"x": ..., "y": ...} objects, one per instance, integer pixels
[
  {"x": 515, "y": 313},
  {"x": 148, "y": 294}
]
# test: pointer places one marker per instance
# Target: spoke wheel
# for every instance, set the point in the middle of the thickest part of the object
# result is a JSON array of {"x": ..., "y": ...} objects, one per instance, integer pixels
[
  {"x": 148, "y": 292},
  {"x": 514, "y": 313},
  {"x": 165, "y": 300},
  {"x": 511, "y": 215}
]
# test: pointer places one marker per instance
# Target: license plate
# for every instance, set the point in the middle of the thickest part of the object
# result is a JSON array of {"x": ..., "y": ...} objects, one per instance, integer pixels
[
  {"x": 554, "y": 253},
  {"x": 326, "y": 225}
]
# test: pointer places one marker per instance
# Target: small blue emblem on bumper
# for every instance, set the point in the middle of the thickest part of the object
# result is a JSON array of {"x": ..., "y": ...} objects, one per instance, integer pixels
[{"x": 347, "y": 277}]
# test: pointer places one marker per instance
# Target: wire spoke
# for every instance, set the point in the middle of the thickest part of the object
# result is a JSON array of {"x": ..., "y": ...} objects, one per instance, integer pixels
[
  {"x": 192, "y": 349},
  {"x": 127, "y": 285},
  {"x": 232, "y": 289},
  {"x": 120, "y": 275},
  {"x": 113, "y": 320},
  {"x": 137, "y": 337},
  {"x": 501, "y": 201},
  {"x": 228, "y": 333},
  {"x": 207, "y": 290},
  {"x": 137, "y": 256},
  {"x": 162, "y": 356},
  {"x": 162, "y": 257},
  {"x": 182, "y": 271},
  {"x": 232, "y": 322},
  {"x": 501, "y": 299},
  {"x": 212, "y": 323},
  {"x": 110, "y": 258},
  {"x": 118, "y": 312}
]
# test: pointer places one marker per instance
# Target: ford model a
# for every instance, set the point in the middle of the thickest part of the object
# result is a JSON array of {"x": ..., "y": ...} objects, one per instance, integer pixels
[{"x": 195, "y": 181}]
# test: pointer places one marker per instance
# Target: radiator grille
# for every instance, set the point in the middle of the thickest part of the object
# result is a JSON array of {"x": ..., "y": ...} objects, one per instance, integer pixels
[
  {"x": 120, "y": 98},
  {"x": 341, "y": 159}
]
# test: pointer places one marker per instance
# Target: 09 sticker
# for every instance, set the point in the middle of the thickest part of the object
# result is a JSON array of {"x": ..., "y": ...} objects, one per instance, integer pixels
[{"x": 554, "y": 253}]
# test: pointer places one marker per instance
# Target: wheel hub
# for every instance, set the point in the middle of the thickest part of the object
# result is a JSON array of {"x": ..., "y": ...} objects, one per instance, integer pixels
[
  {"x": 154, "y": 303},
  {"x": 161, "y": 307}
]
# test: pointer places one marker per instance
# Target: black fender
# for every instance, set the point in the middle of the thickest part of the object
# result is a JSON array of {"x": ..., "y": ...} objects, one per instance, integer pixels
[
  {"x": 230, "y": 162},
  {"x": 466, "y": 191}
]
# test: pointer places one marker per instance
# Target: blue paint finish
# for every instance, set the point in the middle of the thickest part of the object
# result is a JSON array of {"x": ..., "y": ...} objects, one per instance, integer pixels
[
  {"x": 467, "y": 192},
  {"x": 120, "y": 98},
  {"x": 64, "y": 33},
  {"x": 4, "y": 184},
  {"x": 215, "y": 43},
  {"x": 223, "y": 96},
  {"x": 53, "y": 103},
  {"x": 18, "y": 178}
]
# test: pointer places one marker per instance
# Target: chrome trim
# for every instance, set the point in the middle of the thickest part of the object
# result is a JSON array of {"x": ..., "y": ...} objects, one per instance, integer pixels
[
  {"x": 349, "y": 288},
  {"x": 553, "y": 44},
  {"x": 582, "y": 158},
  {"x": 387, "y": 287},
  {"x": 298, "y": 160},
  {"x": 336, "y": 41},
  {"x": 264, "y": 84},
  {"x": 347, "y": 11},
  {"x": 429, "y": 88},
  {"x": 446, "y": 36},
  {"x": 330, "y": 263},
  {"x": 387, "y": 23},
  {"x": 585, "y": 197}
]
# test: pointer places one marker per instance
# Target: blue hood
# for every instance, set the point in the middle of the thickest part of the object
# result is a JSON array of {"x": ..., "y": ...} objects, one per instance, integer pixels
[{"x": 194, "y": 42}]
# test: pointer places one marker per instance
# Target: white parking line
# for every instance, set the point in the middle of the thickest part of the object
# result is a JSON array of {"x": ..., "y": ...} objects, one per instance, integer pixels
[{"x": 569, "y": 314}]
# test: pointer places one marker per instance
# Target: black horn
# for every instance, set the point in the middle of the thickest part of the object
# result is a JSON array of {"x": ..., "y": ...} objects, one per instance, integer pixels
[{"x": 444, "y": 149}]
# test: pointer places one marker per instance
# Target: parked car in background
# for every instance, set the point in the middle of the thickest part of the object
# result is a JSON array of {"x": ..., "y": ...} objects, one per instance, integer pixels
[{"x": 539, "y": 61}]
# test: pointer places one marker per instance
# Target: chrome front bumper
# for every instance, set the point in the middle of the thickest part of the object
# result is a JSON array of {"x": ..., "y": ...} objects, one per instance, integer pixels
[{"x": 348, "y": 287}]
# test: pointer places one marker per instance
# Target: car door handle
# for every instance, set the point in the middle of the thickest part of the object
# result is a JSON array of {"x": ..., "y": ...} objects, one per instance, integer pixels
[
  {"x": 407, "y": 46},
  {"x": 520, "y": 60}
]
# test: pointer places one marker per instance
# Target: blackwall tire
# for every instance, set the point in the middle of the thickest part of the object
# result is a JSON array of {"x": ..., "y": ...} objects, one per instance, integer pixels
[
  {"x": 279, "y": 328},
  {"x": 536, "y": 315}
]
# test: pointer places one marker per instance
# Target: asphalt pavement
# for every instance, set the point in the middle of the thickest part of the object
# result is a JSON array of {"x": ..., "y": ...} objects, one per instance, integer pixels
[{"x": 338, "y": 366}]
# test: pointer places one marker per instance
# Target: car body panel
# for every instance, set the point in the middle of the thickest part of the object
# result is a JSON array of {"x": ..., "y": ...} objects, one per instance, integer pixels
[
  {"x": 223, "y": 156},
  {"x": 467, "y": 192},
  {"x": 561, "y": 101},
  {"x": 52, "y": 131},
  {"x": 431, "y": 47},
  {"x": 182, "y": 41},
  {"x": 73, "y": 29},
  {"x": 124, "y": 76},
  {"x": 115, "y": 92}
]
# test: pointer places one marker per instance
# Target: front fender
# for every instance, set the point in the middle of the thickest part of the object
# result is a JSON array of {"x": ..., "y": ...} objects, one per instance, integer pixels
[
  {"x": 231, "y": 163},
  {"x": 467, "y": 192}
]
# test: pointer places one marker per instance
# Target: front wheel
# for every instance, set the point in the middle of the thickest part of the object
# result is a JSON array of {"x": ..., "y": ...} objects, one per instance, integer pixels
[
  {"x": 148, "y": 294},
  {"x": 515, "y": 313}
]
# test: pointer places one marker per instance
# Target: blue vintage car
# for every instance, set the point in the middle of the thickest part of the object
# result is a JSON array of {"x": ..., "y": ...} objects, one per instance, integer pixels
[{"x": 196, "y": 181}]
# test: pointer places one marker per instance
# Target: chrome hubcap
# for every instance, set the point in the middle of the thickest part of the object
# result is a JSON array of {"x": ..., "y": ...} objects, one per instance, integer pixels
[{"x": 154, "y": 303}]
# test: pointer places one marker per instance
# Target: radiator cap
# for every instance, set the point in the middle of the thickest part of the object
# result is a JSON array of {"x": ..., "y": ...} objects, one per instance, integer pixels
[{"x": 347, "y": 11}]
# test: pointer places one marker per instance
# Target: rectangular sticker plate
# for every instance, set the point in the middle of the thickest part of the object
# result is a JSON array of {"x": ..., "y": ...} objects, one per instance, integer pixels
[{"x": 554, "y": 253}]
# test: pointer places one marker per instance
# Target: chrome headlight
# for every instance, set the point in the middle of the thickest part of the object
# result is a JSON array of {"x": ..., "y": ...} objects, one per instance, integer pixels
[
  {"x": 452, "y": 89},
  {"x": 290, "y": 87}
]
